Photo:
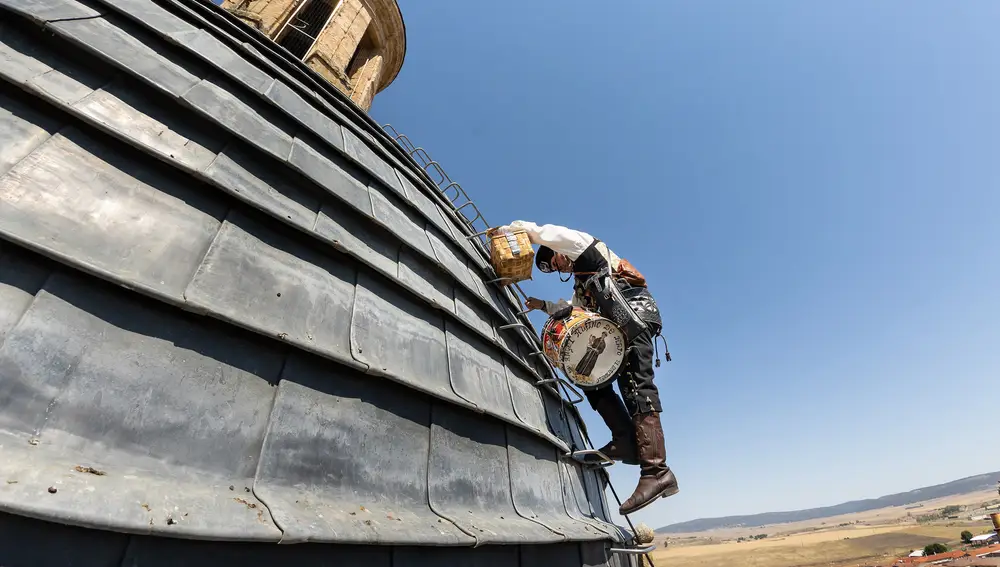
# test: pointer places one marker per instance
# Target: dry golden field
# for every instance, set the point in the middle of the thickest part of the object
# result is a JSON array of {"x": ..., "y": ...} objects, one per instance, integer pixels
[{"x": 866, "y": 538}]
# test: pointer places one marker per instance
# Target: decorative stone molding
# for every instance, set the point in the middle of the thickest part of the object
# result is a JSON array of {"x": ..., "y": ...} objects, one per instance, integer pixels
[{"x": 248, "y": 17}]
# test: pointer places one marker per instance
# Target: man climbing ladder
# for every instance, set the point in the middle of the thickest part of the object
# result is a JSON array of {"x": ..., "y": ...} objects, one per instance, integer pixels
[{"x": 636, "y": 432}]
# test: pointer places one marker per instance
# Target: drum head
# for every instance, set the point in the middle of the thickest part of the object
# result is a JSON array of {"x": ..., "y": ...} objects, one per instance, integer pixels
[{"x": 592, "y": 352}]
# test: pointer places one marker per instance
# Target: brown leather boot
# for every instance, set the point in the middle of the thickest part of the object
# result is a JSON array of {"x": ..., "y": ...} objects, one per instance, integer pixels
[
  {"x": 656, "y": 480},
  {"x": 622, "y": 446}
]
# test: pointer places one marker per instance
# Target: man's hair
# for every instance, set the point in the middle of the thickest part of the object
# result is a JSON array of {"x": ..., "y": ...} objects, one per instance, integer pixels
[{"x": 543, "y": 259}]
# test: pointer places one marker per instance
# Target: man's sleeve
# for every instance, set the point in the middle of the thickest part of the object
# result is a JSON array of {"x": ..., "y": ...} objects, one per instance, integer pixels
[
  {"x": 559, "y": 238},
  {"x": 553, "y": 308}
]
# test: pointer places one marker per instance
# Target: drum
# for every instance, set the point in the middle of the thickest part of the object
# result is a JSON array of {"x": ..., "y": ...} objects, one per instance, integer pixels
[{"x": 588, "y": 348}]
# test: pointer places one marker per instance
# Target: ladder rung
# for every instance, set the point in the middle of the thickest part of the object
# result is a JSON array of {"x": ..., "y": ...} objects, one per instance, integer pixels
[{"x": 602, "y": 459}]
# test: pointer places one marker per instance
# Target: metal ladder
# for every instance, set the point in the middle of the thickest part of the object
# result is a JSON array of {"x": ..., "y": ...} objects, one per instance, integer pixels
[
  {"x": 476, "y": 222},
  {"x": 460, "y": 200}
]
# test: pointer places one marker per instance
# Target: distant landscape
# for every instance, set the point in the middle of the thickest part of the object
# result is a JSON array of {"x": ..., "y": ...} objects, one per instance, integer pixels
[{"x": 962, "y": 486}]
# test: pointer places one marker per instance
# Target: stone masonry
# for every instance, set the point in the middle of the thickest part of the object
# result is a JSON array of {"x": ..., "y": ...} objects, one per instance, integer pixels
[{"x": 359, "y": 49}]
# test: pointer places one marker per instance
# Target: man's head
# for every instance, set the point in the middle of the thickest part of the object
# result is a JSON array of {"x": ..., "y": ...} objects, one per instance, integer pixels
[{"x": 548, "y": 261}]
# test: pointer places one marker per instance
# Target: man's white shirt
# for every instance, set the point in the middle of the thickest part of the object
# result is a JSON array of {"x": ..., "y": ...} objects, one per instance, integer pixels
[
  {"x": 566, "y": 241},
  {"x": 560, "y": 239}
]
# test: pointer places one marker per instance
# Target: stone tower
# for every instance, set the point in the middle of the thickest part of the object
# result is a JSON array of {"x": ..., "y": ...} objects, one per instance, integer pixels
[{"x": 357, "y": 45}]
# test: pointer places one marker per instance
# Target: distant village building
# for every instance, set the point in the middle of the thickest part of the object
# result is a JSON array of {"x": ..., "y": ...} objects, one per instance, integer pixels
[
  {"x": 980, "y": 557},
  {"x": 975, "y": 562},
  {"x": 985, "y": 539}
]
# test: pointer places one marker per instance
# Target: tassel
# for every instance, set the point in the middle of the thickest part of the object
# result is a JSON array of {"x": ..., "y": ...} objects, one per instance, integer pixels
[{"x": 666, "y": 350}]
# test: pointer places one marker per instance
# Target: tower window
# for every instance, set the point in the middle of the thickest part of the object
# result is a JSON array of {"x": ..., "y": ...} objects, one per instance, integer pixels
[
  {"x": 299, "y": 33},
  {"x": 362, "y": 53}
]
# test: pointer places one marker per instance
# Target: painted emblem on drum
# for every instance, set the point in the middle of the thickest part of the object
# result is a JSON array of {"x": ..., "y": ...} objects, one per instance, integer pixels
[
  {"x": 588, "y": 348},
  {"x": 595, "y": 346},
  {"x": 592, "y": 352}
]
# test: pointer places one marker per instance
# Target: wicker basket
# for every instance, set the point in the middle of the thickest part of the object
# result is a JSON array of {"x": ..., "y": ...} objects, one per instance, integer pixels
[{"x": 511, "y": 255}]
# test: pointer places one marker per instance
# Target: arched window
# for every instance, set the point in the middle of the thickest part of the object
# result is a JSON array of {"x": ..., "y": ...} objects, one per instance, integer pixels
[{"x": 300, "y": 31}]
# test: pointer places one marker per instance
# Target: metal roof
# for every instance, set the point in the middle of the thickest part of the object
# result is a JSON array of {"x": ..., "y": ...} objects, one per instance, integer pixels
[{"x": 231, "y": 311}]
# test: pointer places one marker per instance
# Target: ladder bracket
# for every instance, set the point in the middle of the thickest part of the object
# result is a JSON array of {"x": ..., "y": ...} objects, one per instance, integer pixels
[
  {"x": 546, "y": 381},
  {"x": 633, "y": 550}
]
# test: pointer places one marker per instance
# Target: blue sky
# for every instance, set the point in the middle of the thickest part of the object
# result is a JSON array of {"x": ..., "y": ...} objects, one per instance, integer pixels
[{"x": 810, "y": 187}]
